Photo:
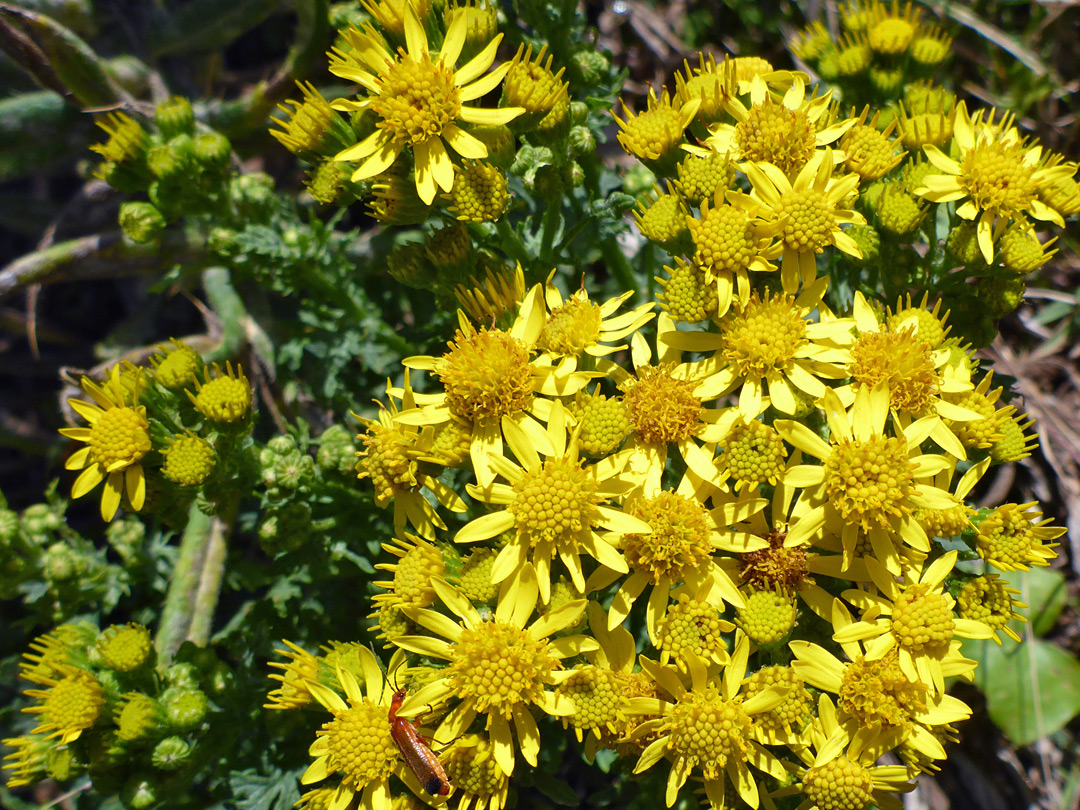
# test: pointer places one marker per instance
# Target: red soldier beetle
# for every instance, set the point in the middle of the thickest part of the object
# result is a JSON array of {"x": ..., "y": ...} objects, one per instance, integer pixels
[{"x": 415, "y": 750}]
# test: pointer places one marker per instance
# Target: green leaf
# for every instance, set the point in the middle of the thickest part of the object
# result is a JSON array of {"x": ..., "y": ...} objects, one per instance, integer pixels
[
  {"x": 255, "y": 791},
  {"x": 1032, "y": 689},
  {"x": 558, "y": 791}
]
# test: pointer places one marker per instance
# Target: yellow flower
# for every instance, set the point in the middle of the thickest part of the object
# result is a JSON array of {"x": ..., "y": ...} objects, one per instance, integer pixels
[
  {"x": 418, "y": 100},
  {"x": 772, "y": 345},
  {"x": 222, "y": 397},
  {"x": 601, "y": 689},
  {"x": 655, "y": 133},
  {"x": 356, "y": 744},
  {"x": 786, "y": 133},
  {"x": 116, "y": 441},
  {"x": 869, "y": 480},
  {"x": 666, "y": 407},
  {"x": 71, "y": 705},
  {"x": 996, "y": 174},
  {"x": 917, "y": 374},
  {"x": 915, "y": 617},
  {"x": 678, "y": 549},
  {"x": 300, "y": 668},
  {"x": 501, "y": 665},
  {"x": 418, "y": 565},
  {"x": 879, "y": 708},
  {"x": 576, "y": 325},
  {"x": 1012, "y": 537},
  {"x": 391, "y": 459},
  {"x": 711, "y": 726},
  {"x": 490, "y": 380},
  {"x": 554, "y": 507},
  {"x": 471, "y": 768},
  {"x": 989, "y": 599},
  {"x": 833, "y": 776},
  {"x": 807, "y": 213}
]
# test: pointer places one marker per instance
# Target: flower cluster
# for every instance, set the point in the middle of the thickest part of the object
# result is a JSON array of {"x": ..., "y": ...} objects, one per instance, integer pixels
[
  {"x": 884, "y": 47},
  {"x": 663, "y": 530},
  {"x": 101, "y": 702},
  {"x": 172, "y": 419}
]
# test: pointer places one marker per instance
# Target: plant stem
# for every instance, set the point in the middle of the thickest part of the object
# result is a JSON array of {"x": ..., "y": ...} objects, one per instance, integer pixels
[
  {"x": 209, "y": 586},
  {"x": 549, "y": 227},
  {"x": 193, "y": 594},
  {"x": 619, "y": 266}
]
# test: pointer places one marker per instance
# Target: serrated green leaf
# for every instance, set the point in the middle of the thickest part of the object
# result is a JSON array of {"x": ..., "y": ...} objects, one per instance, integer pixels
[
  {"x": 1032, "y": 689},
  {"x": 255, "y": 791}
]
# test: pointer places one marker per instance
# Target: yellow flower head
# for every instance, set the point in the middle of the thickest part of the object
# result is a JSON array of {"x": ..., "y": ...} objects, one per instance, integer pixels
[
  {"x": 471, "y": 768},
  {"x": 533, "y": 86},
  {"x": 356, "y": 744},
  {"x": 116, "y": 440},
  {"x": 1013, "y": 537},
  {"x": 222, "y": 397},
  {"x": 188, "y": 461},
  {"x": 996, "y": 175},
  {"x": 784, "y": 131},
  {"x": 807, "y": 213},
  {"x": 555, "y": 506},
  {"x": 708, "y": 84},
  {"x": 479, "y": 193},
  {"x": 70, "y": 706},
  {"x": 300, "y": 668},
  {"x": 310, "y": 125},
  {"x": 177, "y": 366},
  {"x": 125, "y": 647},
  {"x": 657, "y": 132},
  {"x": 500, "y": 665},
  {"x": 418, "y": 99},
  {"x": 711, "y": 726}
]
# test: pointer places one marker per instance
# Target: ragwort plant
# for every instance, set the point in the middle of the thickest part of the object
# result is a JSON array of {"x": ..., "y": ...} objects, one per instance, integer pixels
[{"x": 716, "y": 528}]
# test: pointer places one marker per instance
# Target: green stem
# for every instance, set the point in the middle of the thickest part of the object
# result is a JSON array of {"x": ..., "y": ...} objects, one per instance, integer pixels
[
  {"x": 96, "y": 257},
  {"x": 619, "y": 266},
  {"x": 549, "y": 227},
  {"x": 228, "y": 305},
  {"x": 176, "y": 614},
  {"x": 209, "y": 586},
  {"x": 511, "y": 243}
]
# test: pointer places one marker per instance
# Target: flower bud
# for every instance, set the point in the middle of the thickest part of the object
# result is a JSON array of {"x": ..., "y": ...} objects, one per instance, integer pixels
[
  {"x": 140, "y": 792},
  {"x": 185, "y": 709},
  {"x": 591, "y": 66},
  {"x": 211, "y": 150},
  {"x": 175, "y": 117},
  {"x": 337, "y": 453},
  {"x": 582, "y": 141},
  {"x": 141, "y": 222},
  {"x": 171, "y": 754}
]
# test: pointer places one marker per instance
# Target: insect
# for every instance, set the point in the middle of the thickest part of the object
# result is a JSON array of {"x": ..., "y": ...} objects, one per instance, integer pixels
[{"x": 415, "y": 750}]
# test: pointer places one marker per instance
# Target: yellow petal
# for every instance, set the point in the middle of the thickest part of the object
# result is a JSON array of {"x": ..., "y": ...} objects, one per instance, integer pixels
[
  {"x": 87, "y": 480},
  {"x": 463, "y": 143}
]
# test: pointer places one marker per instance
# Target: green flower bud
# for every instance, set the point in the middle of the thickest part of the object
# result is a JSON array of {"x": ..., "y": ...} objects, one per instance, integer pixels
[
  {"x": 9, "y": 526},
  {"x": 337, "y": 453},
  {"x": 140, "y": 792},
  {"x": 285, "y": 529},
  {"x": 579, "y": 113},
  {"x": 572, "y": 174},
  {"x": 61, "y": 764},
  {"x": 211, "y": 150},
  {"x": 582, "y": 141},
  {"x": 185, "y": 709},
  {"x": 164, "y": 162},
  {"x": 408, "y": 264},
  {"x": 62, "y": 564},
  {"x": 326, "y": 181},
  {"x": 182, "y": 676},
  {"x": 591, "y": 66},
  {"x": 175, "y": 117},
  {"x": 171, "y": 754},
  {"x": 126, "y": 537},
  {"x": 41, "y": 521},
  {"x": 141, "y": 222}
]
